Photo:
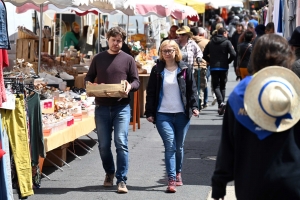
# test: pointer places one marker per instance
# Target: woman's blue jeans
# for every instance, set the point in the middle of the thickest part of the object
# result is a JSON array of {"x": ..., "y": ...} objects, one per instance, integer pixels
[
  {"x": 172, "y": 128},
  {"x": 108, "y": 119}
]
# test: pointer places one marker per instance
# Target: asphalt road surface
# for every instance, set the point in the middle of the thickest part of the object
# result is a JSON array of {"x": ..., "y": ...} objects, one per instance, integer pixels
[{"x": 146, "y": 177}]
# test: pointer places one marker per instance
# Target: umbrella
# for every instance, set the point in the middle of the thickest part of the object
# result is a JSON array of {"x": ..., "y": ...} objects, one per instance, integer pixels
[
  {"x": 177, "y": 11},
  {"x": 174, "y": 10},
  {"x": 198, "y": 5}
]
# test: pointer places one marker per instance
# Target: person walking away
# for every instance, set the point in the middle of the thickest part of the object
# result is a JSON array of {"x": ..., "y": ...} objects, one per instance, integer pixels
[
  {"x": 259, "y": 148},
  {"x": 216, "y": 53},
  {"x": 244, "y": 53},
  {"x": 234, "y": 42},
  {"x": 199, "y": 38},
  {"x": 113, "y": 114},
  {"x": 214, "y": 33},
  {"x": 294, "y": 42},
  {"x": 232, "y": 26},
  {"x": 260, "y": 31},
  {"x": 270, "y": 28},
  {"x": 189, "y": 48},
  {"x": 254, "y": 20},
  {"x": 170, "y": 103}
]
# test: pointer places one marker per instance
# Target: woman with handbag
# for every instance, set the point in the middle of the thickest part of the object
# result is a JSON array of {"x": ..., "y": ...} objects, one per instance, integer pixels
[{"x": 244, "y": 53}]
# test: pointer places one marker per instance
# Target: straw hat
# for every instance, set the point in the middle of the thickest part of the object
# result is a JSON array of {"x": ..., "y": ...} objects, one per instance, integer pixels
[
  {"x": 184, "y": 30},
  {"x": 271, "y": 101}
]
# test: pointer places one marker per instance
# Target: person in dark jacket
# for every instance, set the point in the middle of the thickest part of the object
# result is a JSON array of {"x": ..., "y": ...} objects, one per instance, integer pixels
[
  {"x": 260, "y": 31},
  {"x": 216, "y": 54},
  {"x": 294, "y": 42},
  {"x": 260, "y": 142},
  {"x": 234, "y": 41},
  {"x": 170, "y": 102},
  {"x": 244, "y": 53}
]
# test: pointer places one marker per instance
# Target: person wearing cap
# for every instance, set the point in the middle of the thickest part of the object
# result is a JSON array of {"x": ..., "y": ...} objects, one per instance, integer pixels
[
  {"x": 189, "y": 49},
  {"x": 260, "y": 141},
  {"x": 198, "y": 37},
  {"x": 216, "y": 54},
  {"x": 294, "y": 42}
]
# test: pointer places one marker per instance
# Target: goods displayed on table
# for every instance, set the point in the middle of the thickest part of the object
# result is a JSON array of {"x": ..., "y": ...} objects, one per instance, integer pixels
[
  {"x": 67, "y": 110},
  {"x": 145, "y": 57},
  {"x": 107, "y": 90}
]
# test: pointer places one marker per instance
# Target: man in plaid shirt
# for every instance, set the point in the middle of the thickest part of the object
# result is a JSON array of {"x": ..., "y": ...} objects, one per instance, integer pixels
[{"x": 189, "y": 48}]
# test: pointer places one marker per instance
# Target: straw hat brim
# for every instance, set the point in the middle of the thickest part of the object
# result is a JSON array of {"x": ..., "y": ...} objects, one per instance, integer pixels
[
  {"x": 184, "y": 32},
  {"x": 251, "y": 102}
]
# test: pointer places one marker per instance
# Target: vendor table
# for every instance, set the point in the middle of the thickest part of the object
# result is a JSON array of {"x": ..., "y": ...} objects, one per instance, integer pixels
[{"x": 70, "y": 133}]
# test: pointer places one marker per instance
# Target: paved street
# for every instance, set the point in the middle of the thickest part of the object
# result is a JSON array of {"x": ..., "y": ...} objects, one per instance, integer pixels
[{"x": 146, "y": 177}]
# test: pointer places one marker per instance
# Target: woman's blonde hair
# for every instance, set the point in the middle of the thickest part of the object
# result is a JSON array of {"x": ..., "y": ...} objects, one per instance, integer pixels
[
  {"x": 178, "y": 55},
  {"x": 218, "y": 26}
]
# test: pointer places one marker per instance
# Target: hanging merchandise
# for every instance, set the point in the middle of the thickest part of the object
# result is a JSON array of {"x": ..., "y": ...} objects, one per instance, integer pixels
[
  {"x": 36, "y": 128},
  {"x": 4, "y": 39},
  {"x": 292, "y": 15},
  {"x": 4, "y": 62},
  {"x": 14, "y": 121},
  {"x": 298, "y": 15},
  {"x": 6, "y": 191}
]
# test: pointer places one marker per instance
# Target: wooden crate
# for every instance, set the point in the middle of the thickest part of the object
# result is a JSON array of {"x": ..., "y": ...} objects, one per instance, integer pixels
[
  {"x": 46, "y": 43},
  {"x": 25, "y": 49}
]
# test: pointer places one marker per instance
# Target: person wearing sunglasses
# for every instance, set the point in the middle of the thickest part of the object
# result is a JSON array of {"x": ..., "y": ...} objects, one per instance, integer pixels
[
  {"x": 189, "y": 48},
  {"x": 170, "y": 103}
]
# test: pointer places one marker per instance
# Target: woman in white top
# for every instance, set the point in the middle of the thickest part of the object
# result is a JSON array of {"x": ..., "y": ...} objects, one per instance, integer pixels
[{"x": 170, "y": 103}]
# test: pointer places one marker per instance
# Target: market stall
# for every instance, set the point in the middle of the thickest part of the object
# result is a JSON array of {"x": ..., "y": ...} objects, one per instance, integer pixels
[{"x": 59, "y": 113}]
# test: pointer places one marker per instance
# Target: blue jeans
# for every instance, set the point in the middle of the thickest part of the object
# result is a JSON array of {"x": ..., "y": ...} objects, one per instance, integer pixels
[
  {"x": 172, "y": 128},
  {"x": 108, "y": 119}
]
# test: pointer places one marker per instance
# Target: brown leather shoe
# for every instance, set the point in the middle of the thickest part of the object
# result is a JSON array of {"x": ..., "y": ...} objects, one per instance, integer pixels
[
  {"x": 178, "y": 179},
  {"x": 108, "y": 182},
  {"x": 171, "y": 186}
]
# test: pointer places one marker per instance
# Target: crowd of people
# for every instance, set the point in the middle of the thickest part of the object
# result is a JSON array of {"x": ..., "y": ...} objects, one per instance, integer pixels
[
  {"x": 260, "y": 142},
  {"x": 259, "y": 106}
]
